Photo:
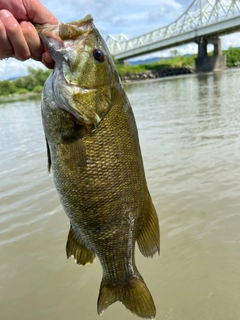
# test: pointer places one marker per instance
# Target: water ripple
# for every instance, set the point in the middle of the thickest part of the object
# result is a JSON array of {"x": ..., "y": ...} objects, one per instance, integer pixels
[{"x": 189, "y": 135}]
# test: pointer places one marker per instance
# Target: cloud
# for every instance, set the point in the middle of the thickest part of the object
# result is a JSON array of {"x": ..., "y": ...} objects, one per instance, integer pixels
[
  {"x": 77, "y": 9},
  {"x": 190, "y": 48},
  {"x": 231, "y": 40},
  {"x": 132, "y": 17},
  {"x": 11, "y": 68},
  {"x": 166, "y": 11}
]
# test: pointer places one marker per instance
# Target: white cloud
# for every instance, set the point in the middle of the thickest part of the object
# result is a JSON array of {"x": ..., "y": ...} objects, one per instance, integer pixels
[
  {"x": 165, "y": 11},
  {"x": 12, "y": 68},
  {"x": 132, "y": 17},
  {"x": 231, "y": 40},
  {"x": 190, "y": 48}
]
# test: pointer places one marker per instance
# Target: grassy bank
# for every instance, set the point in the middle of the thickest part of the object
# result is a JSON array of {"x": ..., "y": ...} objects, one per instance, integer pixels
[{"x": 175, "y": 62}]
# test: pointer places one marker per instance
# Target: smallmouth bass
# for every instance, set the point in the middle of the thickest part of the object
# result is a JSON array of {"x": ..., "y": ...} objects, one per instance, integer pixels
[{"x": 95, "y": 157}]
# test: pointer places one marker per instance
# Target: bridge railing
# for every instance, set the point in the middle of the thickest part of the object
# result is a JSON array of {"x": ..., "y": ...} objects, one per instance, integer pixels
[{"x": 200, "y": 13}]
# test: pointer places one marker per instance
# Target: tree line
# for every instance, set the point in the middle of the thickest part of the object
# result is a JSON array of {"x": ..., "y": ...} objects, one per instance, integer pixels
[
  {"x": 35, "y": 79},
  {"x": 233, "y": 57},
  {"x": 33, "y": 82}
]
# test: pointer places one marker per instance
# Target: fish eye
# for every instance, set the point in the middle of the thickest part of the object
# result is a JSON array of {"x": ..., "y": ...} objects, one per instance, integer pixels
[{"x": 98, "y": 55}]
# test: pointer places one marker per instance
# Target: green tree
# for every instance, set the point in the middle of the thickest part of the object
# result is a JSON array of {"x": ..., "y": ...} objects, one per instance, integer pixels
[
  {"x": 233, "y": 56},
  {"x": 39, "y": 74},
  {"x": 174, "y": 53},
  {"x": 7, "y": 87},
  {"x": 38, "y": 89},
  {"x": 36, "y": 77}
]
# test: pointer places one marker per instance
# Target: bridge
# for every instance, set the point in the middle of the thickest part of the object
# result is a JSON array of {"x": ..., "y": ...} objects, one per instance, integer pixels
[{"x": 203, "y": 22}]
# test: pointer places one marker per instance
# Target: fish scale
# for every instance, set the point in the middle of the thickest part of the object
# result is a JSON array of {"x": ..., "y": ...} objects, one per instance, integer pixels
[{"x": 96, "y": 161}]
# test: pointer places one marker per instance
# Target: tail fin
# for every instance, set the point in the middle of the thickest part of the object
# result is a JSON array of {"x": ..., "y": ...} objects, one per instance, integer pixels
[{"x": 134, "y": 295}]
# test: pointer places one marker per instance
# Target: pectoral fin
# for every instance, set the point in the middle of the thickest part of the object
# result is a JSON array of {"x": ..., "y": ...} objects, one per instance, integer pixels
[
  {"x": 149, "y": 237},
  {"x": 78, "y": 250},
  {"x": 72, "y": 145}
]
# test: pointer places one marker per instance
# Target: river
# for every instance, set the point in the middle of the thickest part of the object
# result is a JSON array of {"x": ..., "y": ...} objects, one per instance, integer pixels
[{"x": 190, "y": 140}]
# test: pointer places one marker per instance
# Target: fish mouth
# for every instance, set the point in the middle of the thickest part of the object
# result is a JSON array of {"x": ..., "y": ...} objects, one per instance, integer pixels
[
  {"x": 50, "y": 38},
  {"x": 71, "y": 45},
  {"x": 54, "y": 36}
]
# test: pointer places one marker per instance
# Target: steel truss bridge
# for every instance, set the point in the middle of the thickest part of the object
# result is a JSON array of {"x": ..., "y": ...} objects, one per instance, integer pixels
[{"x": 203, "y": 22}]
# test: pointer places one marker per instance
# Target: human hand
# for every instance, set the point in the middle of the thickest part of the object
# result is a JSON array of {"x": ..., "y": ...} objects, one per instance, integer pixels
[{"x": 18, "y": 36}]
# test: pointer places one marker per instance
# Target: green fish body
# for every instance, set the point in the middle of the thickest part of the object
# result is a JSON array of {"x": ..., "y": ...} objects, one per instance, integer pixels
[{"x": 95, "y": 158}]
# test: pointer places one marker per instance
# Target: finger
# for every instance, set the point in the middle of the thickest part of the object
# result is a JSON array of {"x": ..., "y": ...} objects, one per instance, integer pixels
[
  {"x": 15, "y": 36},
  {"x": 6, "y": 49},
  {"x": 47, "y": 60},
  {"x": 37, "y": 13},
  {"x": 33, "y": 41}
]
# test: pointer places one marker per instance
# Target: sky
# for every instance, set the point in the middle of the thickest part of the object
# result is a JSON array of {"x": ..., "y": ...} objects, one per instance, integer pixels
[{"x": 130, "y": 17}]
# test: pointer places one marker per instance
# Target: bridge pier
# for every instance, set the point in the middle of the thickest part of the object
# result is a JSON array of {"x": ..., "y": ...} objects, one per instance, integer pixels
[{"x": 205, "y": 63}]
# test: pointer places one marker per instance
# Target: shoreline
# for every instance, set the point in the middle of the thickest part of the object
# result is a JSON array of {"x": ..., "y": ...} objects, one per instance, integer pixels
[
  {"x": 167, "y": 72},
  {"x": 20, "y": 97},
  {"x": 155, "y": 74}
]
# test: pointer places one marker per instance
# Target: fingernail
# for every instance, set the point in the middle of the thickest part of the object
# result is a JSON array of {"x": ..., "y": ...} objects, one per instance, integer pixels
[{"x": 5, "y": 13}]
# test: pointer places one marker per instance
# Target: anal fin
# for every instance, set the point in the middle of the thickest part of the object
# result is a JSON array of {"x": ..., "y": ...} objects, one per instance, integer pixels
[
  {"x": 149, "y": 238},
  {"x": 78, "y": 250}
]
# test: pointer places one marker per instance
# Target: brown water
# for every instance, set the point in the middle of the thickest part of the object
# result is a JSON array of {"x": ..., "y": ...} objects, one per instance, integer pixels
[{"x": 190, "y": 138}]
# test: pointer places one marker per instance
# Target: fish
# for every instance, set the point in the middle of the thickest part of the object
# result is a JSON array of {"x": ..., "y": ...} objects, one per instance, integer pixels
[{"x": 96, "y": 163}]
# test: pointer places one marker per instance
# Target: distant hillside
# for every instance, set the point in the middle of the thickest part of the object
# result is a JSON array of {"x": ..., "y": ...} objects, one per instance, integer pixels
[
  {"x": 14, "y": 78},
  {"x": 136, "y": 62}
]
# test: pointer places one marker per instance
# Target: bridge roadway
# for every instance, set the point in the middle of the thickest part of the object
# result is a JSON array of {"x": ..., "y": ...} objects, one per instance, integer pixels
[{"x": 214, "y": 30}]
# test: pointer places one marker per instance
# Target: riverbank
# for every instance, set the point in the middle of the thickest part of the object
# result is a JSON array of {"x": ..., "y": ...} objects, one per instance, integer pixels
[
  {"x": 20, "y": 97},
  {"x": 153, "y": 74}
]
